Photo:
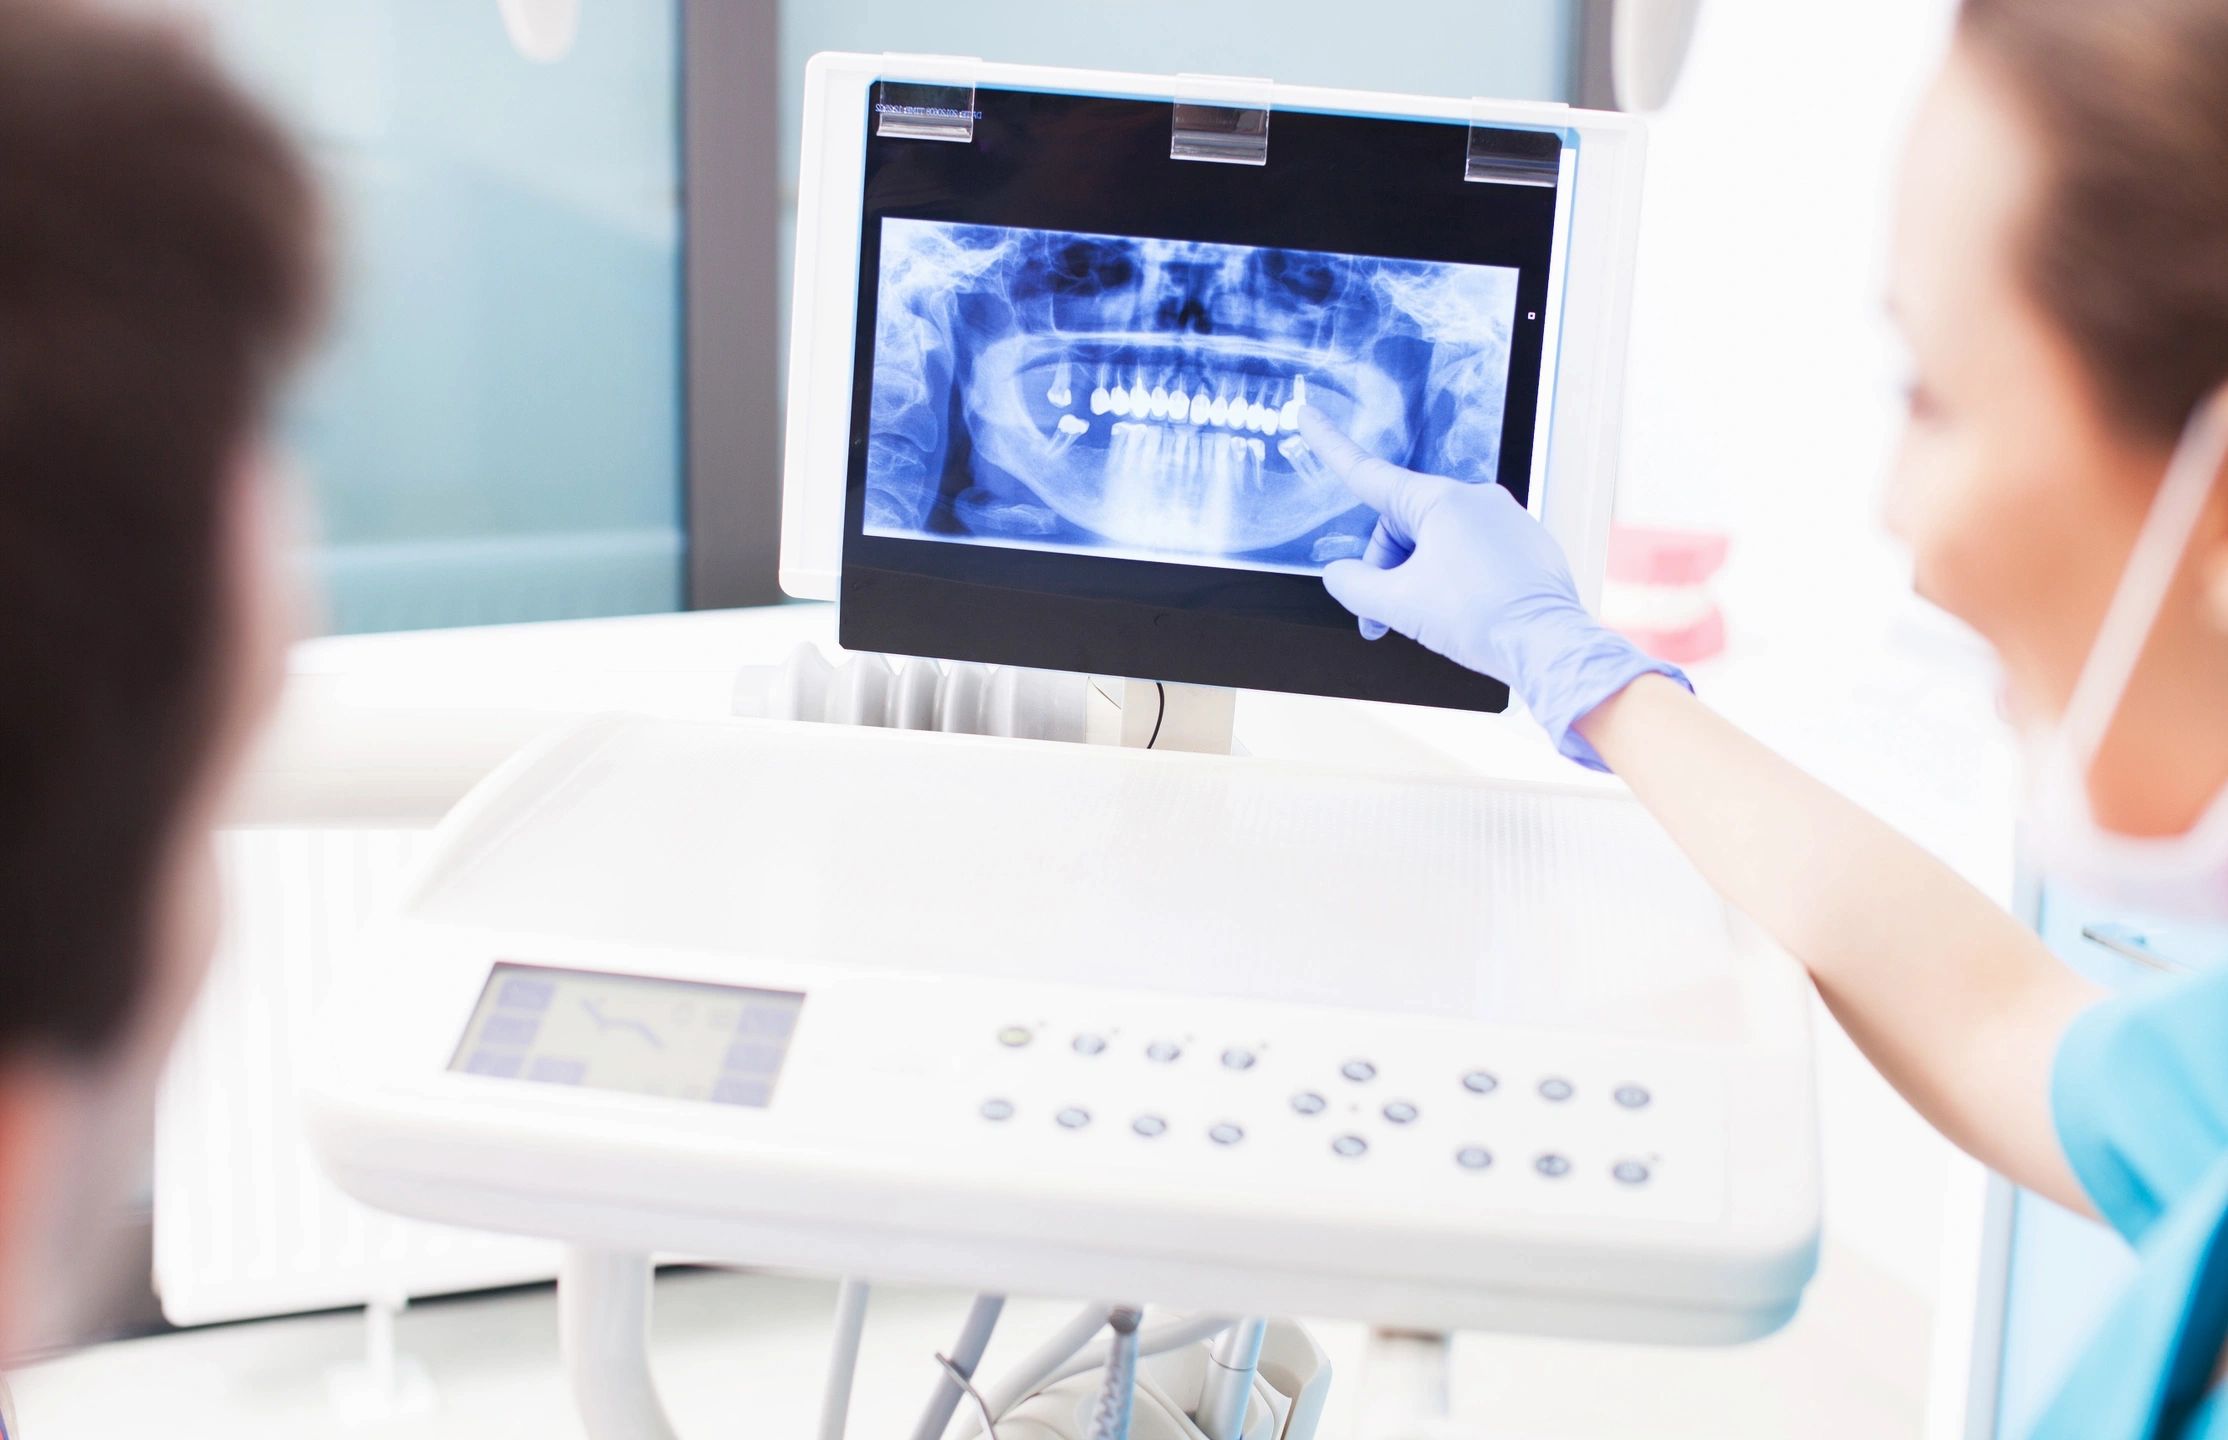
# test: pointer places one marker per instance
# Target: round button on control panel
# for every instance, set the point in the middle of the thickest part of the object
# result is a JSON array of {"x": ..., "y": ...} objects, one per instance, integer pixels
[{"x": 1122, "y": 1045}]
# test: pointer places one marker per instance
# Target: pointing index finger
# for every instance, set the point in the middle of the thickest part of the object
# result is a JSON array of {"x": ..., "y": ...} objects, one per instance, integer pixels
[
  {"x": 1354, "y": 467},
  {"x": 1381, "y": 485}
]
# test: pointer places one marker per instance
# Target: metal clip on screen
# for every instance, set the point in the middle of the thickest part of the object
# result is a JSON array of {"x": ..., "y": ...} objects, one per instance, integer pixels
[
  {"x": 926, "y": 98},
  {"x": 1500, "y": 156},
  {"x": 1220, "y": 119}
]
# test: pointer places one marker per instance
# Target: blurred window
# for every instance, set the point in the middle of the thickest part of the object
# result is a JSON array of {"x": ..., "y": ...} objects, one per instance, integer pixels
[{"x": 493, "y": 432}]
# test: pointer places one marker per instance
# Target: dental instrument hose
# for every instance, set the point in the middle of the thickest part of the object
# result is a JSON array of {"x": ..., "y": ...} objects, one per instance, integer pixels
[
  {"x": 974, "y": 1338},
  {"x": 1056, "y": 1350},
  {"x": 1232, "y": 1362},
  {"x": 1152, "y": 1340},
  {"x": 1064, "y": 1355},
  {"x": 1118, "y": 1391},
  {"x": 843, "y": 1364}
]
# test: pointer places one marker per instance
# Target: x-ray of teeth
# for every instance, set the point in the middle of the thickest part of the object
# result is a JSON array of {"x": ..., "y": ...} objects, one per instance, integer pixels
[{"x": 1140, "y": 398}]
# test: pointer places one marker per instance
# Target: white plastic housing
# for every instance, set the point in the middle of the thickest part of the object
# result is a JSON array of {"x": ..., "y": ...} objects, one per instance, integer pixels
[{"x": 1371, "y": 941}]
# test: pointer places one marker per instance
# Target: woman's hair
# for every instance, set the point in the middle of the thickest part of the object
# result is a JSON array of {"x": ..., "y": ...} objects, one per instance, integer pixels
[
  {"x": 2127, "y": 245},
  {"x": 158, "y": 270}
]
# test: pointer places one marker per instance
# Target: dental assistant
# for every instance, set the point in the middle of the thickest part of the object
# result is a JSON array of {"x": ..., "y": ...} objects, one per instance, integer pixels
[{"x": 2060, "y": 276}]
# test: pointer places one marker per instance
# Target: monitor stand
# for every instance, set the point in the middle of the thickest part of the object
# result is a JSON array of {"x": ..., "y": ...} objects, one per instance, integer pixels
[
  {"x": 960, "y": 697},
  {"x": 1160, "y": 715}
]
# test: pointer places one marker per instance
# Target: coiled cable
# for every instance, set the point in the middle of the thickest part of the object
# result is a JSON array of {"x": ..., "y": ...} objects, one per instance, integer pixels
[
  {"x": 1062, "y": 1356},
  {"x": 1118, "y": 1391}
]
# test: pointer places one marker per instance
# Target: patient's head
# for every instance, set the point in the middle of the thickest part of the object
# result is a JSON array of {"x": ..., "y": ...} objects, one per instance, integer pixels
[
  {"x": 158, "y": 273},
  {"x": 2061, "y": 276}
]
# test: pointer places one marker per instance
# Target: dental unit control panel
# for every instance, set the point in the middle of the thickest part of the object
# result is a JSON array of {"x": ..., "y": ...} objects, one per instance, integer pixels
[{"x": 1201, "y": 1066}]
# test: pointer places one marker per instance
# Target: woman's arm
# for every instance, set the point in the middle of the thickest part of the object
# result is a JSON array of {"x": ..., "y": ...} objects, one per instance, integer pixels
[
  {"x": 1958, "y": 1005},
  {"x": 1955, "y": 1002}
]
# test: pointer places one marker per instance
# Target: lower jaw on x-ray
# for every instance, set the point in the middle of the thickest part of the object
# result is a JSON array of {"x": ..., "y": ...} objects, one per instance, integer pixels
[{"x": 1140, "y": 398}]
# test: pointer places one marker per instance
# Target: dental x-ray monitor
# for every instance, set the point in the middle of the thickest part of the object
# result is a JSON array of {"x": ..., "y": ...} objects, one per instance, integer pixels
[{"x": 1052, "y": 334}]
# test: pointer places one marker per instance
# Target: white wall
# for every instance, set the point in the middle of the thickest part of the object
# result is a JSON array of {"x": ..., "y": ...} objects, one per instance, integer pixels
[
  {"x": 1763, "y": 374},
  {"x": 1764, "y": 401}
]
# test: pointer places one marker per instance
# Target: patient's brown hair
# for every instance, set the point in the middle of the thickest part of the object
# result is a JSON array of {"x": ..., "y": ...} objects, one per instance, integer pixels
[
  {"x": 157, "y": 272},
  {"x": 2127, "y": 246}
]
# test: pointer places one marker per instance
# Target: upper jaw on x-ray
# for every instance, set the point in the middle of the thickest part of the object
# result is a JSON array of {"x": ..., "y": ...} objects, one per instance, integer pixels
[{"x": 1139, "y": 397}]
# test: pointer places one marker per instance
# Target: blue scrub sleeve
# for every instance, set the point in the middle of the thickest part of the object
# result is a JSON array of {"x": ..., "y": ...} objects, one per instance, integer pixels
[{"x": 2139, "y": 1091}]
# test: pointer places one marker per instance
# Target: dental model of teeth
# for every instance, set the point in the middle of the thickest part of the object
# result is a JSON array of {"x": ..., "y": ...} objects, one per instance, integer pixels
[{"x": 1223, "y": 404}]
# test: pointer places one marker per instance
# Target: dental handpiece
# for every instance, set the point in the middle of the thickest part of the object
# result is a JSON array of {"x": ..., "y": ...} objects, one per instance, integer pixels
[{"x": 1232, "y": 1362}]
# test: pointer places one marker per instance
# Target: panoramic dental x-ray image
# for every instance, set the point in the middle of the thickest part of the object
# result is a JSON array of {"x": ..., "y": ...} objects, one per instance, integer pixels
[{"x": 1139, "y": 398}]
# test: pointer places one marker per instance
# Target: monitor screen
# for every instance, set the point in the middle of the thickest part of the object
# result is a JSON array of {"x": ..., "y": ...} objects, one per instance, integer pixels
[
  {"x": 1081, "y": 366},
  {"x": 1094, "y": 418}
]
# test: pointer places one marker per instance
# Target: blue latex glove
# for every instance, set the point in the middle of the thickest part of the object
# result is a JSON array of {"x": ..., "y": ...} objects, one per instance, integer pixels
[{"x": 1462, "y": 569}]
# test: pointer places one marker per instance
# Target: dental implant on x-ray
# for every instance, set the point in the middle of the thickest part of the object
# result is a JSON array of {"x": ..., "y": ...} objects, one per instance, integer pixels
[{"x": 1141, "y": 398}]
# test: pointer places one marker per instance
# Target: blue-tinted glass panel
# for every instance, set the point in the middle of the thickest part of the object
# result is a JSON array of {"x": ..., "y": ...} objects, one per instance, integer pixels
[{"x": 494, "y": 431}]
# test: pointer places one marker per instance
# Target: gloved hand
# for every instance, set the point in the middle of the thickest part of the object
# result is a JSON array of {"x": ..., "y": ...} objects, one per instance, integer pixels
[{"x": 1462, "y": 569}]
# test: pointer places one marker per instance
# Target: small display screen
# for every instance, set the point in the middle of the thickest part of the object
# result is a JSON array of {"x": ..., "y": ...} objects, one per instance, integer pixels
[{"x": 642, "y": 1034}]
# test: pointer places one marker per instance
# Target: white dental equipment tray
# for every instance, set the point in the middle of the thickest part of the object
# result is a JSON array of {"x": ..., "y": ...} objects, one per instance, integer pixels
[{"x": 1226, "y": 1034}]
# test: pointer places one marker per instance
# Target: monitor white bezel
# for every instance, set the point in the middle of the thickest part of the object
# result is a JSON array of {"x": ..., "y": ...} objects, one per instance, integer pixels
[{"x": 1580, "y": 416}]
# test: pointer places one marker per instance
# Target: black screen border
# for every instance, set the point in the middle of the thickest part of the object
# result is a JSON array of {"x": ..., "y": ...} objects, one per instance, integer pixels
[{"x": 1352, "y": 184}]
